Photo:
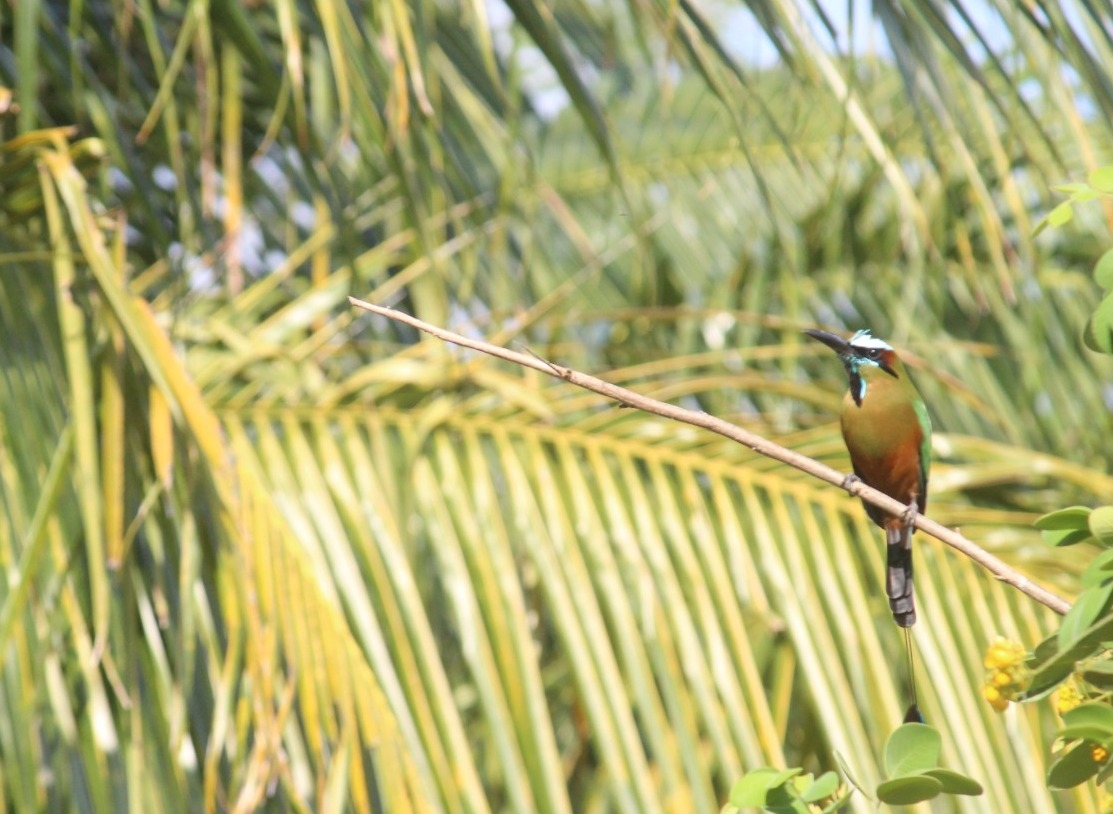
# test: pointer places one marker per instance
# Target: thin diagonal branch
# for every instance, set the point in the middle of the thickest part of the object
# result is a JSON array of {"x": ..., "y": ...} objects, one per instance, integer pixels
[{"x": 758, "y": 444}]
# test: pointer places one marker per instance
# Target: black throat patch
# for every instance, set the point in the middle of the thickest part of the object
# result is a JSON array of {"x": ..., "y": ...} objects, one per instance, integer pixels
[{"x": 857, "y": 386}]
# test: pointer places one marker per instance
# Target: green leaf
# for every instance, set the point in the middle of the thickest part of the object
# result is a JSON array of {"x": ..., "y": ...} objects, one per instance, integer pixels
[
  {"x": 906, "y": 791},
  {"x": 1091, "y": 604},
  {"x": 1071, "y": 189},
  {"x": 1103, "y": 271},
  {"x": 1083, "y": 732},
  {"x": 781, "y": 800},
  {"x": 1104, "y": 773},
  {"x": 1101, "y": 524},
  {"x": 1070, "y": 518},
  {"x": 547, "y": 36},
  {"x": 1060, "y": 215},
  {"x": 1065, "y": 527},
  {"x": 1045, "y": 650},
  {"x": 786, "y": 775},
  {"x": 1099, "y": 570},
  {"x": 1063, "y": 539},
  {"x": 955, "y": 782},
  {"x": 1101, "y": 179},
  {"x": 1057, "y": 666},
  {"x": 824, "y": 786},
  {"x": 911, "y": 749},
  {"x": 1093, "y": 721},
  {"x": 799, "y": 783},
  {"x": 1099, "y": 330},
  {"x": 1074, "y": 768},
  {"x": 753, "y": 789},
  {"x": 1099, "y": 674}
]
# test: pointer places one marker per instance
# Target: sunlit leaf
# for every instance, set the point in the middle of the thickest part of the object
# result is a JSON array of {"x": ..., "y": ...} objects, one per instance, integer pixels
[
  {"x": 912, "y": 748},
  {"x": 824, "y": 786},
  {"x": 1060, "y": 215},
  {"x": 1074, "y": 518},
  {"x": 1102, "y": 179}
]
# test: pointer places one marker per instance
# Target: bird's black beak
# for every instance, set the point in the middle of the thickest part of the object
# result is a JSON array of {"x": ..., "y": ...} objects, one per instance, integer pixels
[{"x": 835, "y": 343}]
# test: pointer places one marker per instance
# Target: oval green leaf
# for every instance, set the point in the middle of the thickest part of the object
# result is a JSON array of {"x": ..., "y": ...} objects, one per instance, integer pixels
[
  {"x": 1061, "y": 214},
  {"x": 1071, "y": 518},
  {"x": 1101, "y": 524},
  {"x": 956, "y": 783},
  {"x": 912, "y": 749},
  {"x": 1073, "y": 769},
  {"x": 824, "y": 786},
  {"x": 906, "y": 791},
  {"x": 1103, "y": 271},
  {"x": 1096, "y": 716}
]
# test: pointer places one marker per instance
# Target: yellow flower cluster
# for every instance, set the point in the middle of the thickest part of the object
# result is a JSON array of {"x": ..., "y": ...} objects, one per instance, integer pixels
[
  {"x": 1006, "y": 675},
  {"x": 1099, "y": 753},
  {"x": 1067, "y": 698}
]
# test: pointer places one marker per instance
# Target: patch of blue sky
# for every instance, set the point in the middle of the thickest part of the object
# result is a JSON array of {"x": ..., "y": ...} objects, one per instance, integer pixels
[{"x": 984, "y": 29}]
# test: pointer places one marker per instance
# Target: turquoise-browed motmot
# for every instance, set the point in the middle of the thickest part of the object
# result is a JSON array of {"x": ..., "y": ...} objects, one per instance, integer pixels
[{"x": 888, "y": 434}]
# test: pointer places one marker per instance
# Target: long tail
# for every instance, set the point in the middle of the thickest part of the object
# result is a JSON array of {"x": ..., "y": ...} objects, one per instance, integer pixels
[
  {"x": 898, "y": 580},
  {"x": 912, "y": 716},
  {"x": 898, "y": 584}
]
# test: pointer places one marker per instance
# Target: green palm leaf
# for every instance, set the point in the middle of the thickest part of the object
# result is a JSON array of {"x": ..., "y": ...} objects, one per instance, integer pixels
[{"x": 265, "y": 551}]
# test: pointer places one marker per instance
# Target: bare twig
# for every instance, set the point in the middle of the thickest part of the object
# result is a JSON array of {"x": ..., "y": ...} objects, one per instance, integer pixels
[{"x": 758, "y": 444}]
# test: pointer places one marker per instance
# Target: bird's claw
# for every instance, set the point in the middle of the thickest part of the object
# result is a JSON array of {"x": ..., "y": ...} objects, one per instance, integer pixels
[
  {"x": 908, "y": 516},
  {"x": 850, "y": 480}
]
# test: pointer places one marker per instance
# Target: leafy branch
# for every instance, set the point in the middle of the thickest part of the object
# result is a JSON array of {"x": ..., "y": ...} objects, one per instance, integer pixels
[{"x": 762, "y": 446}]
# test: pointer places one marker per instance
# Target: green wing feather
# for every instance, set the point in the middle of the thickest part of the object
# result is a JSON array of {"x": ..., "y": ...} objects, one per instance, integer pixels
[{"x": 925, "y": 447}]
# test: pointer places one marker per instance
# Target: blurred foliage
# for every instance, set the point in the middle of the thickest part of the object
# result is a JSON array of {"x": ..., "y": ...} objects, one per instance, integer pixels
[{"x": 265, "y": 552}]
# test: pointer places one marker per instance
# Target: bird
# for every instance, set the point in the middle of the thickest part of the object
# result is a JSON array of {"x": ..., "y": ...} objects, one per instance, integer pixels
[{"x": 887, "y": 432}]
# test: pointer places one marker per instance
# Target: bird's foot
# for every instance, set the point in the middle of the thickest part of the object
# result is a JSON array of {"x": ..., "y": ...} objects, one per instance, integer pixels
[
  {"x": 908, "y": 516},
  {"x": 850, "y": 480}
]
